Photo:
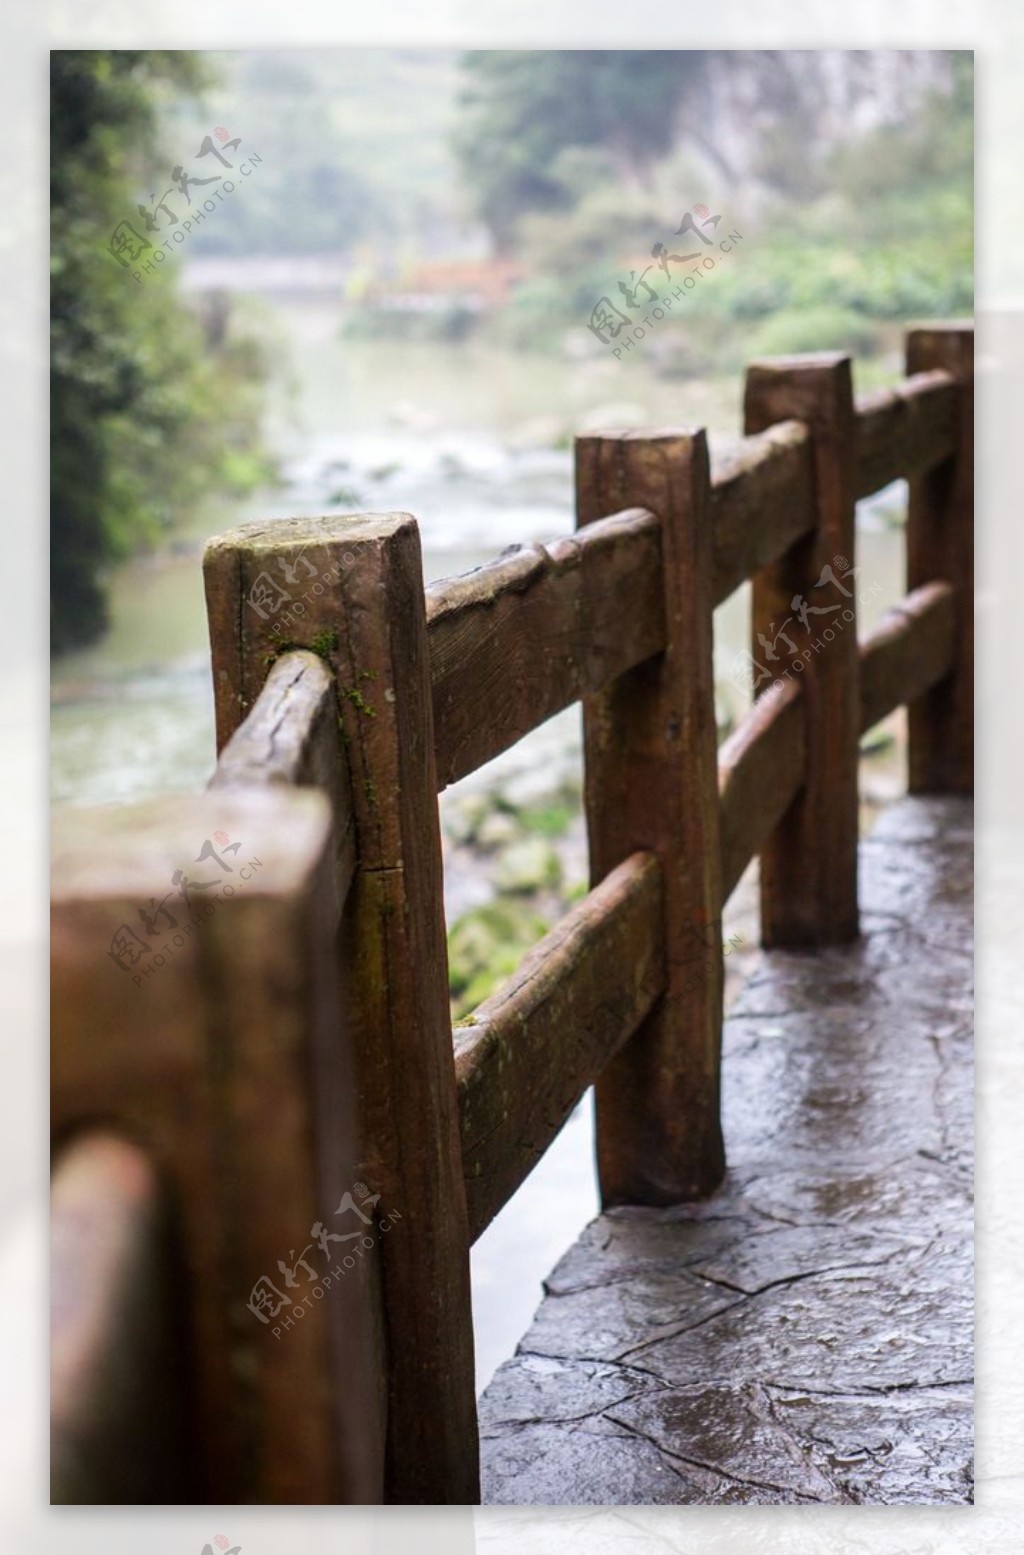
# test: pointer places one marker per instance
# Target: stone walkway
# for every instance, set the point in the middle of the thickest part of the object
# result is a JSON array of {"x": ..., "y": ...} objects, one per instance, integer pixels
[{"x": 806, "y": 1335}]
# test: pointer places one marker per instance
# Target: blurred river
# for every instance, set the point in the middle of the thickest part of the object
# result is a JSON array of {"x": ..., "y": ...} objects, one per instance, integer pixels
[{"x": 467, "y": 440}]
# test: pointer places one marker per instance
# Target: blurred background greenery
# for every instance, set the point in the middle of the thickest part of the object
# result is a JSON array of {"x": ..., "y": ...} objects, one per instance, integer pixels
[
  {"x": 489, "y": 197},
  {"x": 137, "y": 384}
]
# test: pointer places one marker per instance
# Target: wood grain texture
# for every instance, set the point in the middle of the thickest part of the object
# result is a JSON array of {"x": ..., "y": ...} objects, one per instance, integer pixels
[
  {"x": 281, "y": 739},
  {"x": 516, "y": 641},
  {"x": 368, "y": 622},
  {"x": 761, "y": 504},
  {"x": 218, "y": 1050},
  {"x": 534, "y": 1047},
  {"x": 760, "y": 772},
  {"x": 809, "y": 866},
  {"x": 912, "y": 649},
  {"x": 904, "y": 431},
  {"x": 291, "y": 735},
  {"x": 121, "y": 1391},
  {"x": 940, "y": 545},
  {"x": 651, "y": 785}
]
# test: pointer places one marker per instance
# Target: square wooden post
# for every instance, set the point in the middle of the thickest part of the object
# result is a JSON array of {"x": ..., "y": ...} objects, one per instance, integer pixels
[
  {"x": 651, "y": 783},
  {"x": 940, "y": 545},
  {"x": 351, "y": 590},
  {"x": 206, "y": 1028},
  {"x": 804, "y": 626}
]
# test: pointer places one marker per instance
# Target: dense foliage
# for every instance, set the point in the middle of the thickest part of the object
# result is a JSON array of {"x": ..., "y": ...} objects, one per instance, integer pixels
[
  {"x": 573, "y": 164},
  {"x": 581, "y": 162},
  {"x": 524, "y": 109},
  {"x": 149, "y": 408}
]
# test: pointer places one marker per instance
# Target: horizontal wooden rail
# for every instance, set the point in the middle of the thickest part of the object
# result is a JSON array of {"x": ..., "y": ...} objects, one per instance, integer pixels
[
  {"x": 120, "y": 1419},
  {"x": 291, "y": 736},
  {"x": 520, "y": 639},
  {"x": 760, "y": 771},
  {"x": 761, "y": 504},
  {"x": 516, "y": 641},
  {"x": 281, "y": 740},
  {"x": 904, "y": 431},
  {"x": 910, "y": 651},
  {"x": 535, "y": 1046}
]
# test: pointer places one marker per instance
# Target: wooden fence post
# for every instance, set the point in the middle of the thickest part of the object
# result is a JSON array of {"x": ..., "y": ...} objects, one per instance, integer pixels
[
  {"x": 651, "y": 783},
  {"x": 351, "y": 589},
  {"x": 199, "y": 1014},
  {"x": 804, "y": 626},
  {"x": 940, "y": 545}
]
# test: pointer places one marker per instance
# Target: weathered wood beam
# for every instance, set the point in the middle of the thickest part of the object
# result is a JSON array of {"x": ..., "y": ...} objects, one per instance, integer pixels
[
  {"x": 533, "y": 1047},
  {"x": 809, "y": 865},
  {"x": 761, "y": 503},
  {"x": 940, "y": 545},
  {"x": 651, "y": 785},
  {"x": 518, "y": 640},
  {"x": 291, "y": 735},
  {"x": 760, "y": 771},
  {"x": 359, "y": 604},
  {"x": 902, "y": 432},
  {"x": 912, "y": 649},
  {"x": 196, "y": 1008}
]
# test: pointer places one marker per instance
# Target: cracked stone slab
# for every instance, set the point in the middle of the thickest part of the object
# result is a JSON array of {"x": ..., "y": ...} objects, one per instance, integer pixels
[
  {"x": 606, "y": 1464},
  {"x": 617, "y": 1320},
  {"x": 831, "y": 1077},
  {"x": 912, "y": 1197},
  {"x": 848, "y": 1330},
  {"x": 805, "y": 1335},
  {"x": 546, "y": 1390},
  {"x": 767, "y": 1258},
  {"x": 732, "y": 1431},
  {"x": 618, "y": 1247},
  {"x": 908, "y": 1447}
]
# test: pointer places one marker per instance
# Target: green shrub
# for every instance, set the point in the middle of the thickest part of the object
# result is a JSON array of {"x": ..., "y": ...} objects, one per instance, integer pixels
[{"x": 812, "y": 329}]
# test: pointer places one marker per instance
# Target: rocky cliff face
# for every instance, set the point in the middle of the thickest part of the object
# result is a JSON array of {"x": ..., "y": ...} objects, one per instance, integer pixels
[{"x": 772, "y": 116}]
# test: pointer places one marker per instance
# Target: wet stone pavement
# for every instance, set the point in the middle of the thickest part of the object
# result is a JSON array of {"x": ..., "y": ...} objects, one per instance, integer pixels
[{"x": 805, "y": 1336}]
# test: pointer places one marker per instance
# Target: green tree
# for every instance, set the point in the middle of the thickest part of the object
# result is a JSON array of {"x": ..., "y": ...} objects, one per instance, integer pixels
[
  {"x": 524, "y": 108},
  {"x": 144, "y": 414}
]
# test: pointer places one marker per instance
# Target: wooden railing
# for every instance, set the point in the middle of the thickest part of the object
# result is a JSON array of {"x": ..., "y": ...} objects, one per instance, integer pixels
[{"x": 296, "y": 1048}]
